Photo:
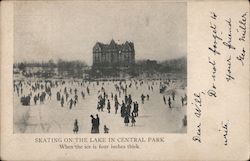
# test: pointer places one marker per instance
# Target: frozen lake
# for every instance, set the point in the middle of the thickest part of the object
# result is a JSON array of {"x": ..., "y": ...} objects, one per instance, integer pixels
[{"x": 154, "y": 115}]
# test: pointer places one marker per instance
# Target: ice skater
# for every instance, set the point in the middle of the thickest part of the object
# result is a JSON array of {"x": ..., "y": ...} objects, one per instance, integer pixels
[
  {"x": 35, "y": 99},
  {"x": 136, "y": 109},
  {"x": 97, "y": 123},
  {"x": 123, "y": 109},
  {"x": 88, "y": 90},
  {"x": 106, "y": 130},
  {"x": 142, "y": 98},
  {"x": 169, "y": 102},
  {"x": 93, "y": 122},
  {"x": 164, "y": 99},
  {"x": 58, "y": 96},
  {"x": 62, "y": 101},
  {"x": 184, "y": 120},
  {"x": 70, "y": 103},
  {"x": 173, "y": 95},
  {"x": 133, "y": 120},
  {"x": 116, "y": 106},
  {"x": 83, "y": 95},
  {"x": 126, "y": 119},
  {"x": 182, "y": 101},
  {"x": 108, "y": 106},
  {"x": 76, "y": 128},
  {"x": 67, "y": 96}
]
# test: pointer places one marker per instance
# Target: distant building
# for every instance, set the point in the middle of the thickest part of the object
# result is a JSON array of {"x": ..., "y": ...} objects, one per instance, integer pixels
[
  {"x": 113, "y": 54},
  {"x": 147, "y": 66},
  {"x": 151, "y": 63}
]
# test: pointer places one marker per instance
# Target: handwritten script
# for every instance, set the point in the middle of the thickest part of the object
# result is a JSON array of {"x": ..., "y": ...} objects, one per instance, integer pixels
[{"x": 226, "y": 55}]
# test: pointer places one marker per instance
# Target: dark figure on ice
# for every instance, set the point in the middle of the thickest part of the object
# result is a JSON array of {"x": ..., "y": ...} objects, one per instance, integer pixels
[
  {"x": 112, "y": 96},
  {"x": 126, "y": 119},
  {"x": 40, "y": 98},
  {"x": 108, "y": 106},
  {"x": 106, "y": 130},
  {"x": 76, "y": 127},
  {"x": 17, "y": 90},
  {"x": 173, "y": 95},
  {"x": 67, "y": 96},
  {"x": 35, "y": 99},
  {"x": 116, "y": 99},
  {"x": 142, "y": 98},
  {"x": 164, "y": 99},
  {"x": 169, "y": 102},
  {"x": 128, "y": 109},
  {"x": 184, "y": 120},
  {"x": 147, "y": 97},
  {"x": 65, "y": 90},
  {"x": 102, "y": 103},
  {"x": 129, "y": 99},
  {"x": 88, "y": 90},
  {"x": 182, "y": 101},
  {"x": 49, "y": 94},
  {"x": 136, "y": 109},
  {"x": 99, "y": 106},
  {"x": 62, "y": 101},
  {"x": 70, "y": 103},
  {"x": 123, "y": 109},
  {"x": 116, "y": 106},
  {"x": 97, "y": 123},
  {"x": 25, "y": 100},
  {"x": 83, "y": 95},
  {"x": 76, "y": 100},
  {"x": 133, "y": 120},
  {"x": 185, "y": 97},
  {"x": 93, "y": 122},
  {"x": 58, "y": 96},
  {"x": 126, "y": 99}
]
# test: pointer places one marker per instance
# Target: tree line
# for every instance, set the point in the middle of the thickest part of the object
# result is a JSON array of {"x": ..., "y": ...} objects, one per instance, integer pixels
[
  {"x": 172, "y": 65},
  {"x": 77, "y": 68},
  {"x": 50, "y": 64},
  {"x": 73, "y": 68}
]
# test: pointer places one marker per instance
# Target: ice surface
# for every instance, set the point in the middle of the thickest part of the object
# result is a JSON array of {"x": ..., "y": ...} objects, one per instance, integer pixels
[{"x": 154, "y": 115}]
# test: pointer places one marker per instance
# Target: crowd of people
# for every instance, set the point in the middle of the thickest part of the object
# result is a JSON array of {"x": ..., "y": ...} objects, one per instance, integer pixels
[
  {"x": 118, "y": 100},
  {"x": 128, "y": 108}
]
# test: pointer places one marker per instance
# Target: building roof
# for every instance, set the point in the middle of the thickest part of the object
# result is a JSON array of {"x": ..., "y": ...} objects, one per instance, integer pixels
[{"x": 113, "y": 45}]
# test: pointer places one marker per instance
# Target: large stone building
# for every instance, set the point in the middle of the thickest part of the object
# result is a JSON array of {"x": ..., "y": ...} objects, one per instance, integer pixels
[{"x": 113, "y": 54}]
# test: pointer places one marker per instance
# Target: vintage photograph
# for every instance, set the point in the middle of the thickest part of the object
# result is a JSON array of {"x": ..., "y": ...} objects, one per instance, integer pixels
[{"x": 100, "y": 68}]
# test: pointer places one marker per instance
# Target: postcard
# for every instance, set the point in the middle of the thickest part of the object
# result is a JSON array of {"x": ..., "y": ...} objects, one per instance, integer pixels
[{"x": 124, "y": 80}]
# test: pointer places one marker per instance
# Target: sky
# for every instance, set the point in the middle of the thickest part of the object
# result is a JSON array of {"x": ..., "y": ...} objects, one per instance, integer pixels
[{"x": 68, "y": 30}]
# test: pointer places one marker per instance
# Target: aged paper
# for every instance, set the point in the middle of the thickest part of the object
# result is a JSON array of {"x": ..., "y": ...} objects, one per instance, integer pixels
[{"x": 124, "y": 80}]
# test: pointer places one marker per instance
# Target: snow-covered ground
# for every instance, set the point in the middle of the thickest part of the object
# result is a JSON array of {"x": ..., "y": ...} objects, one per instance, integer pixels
[{"x": 154, "y": 115}]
